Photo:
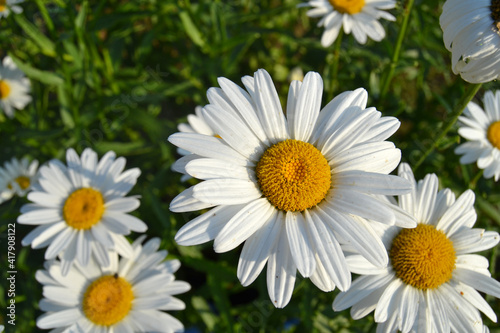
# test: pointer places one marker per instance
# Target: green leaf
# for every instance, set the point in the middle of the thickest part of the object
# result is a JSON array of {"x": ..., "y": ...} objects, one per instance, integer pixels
[
  {"x": 46, "y": 77},
  {"x": 203, "y": 310},
  {"x": 45, "y": 44},
  {"x": 191, "y": 29}
]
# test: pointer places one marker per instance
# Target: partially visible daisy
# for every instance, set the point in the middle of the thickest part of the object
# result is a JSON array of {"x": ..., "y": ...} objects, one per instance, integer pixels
[
  {"x": 14, "y": 87},
  {"x": 357, "y": 16},
  {"x": 129, "y": 295},
  {"x": 196, "y": 124},
  {"x": 81, "y": 208},
  {"x": 6, "y": 6},
  {"x": 290, "y": 187},
  {"x": 482, "y": 129},
  {"x": 433, "y": 277},
  {"x": 471, "y": 31},
  {"x": 17, "y": 177}
]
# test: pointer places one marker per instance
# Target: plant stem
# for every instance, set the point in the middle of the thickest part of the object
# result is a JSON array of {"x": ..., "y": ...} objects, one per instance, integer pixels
[
  {"x": 335, "y": 64},
  {"x": 457, "y": 111},
  {"x": 397, "y": 49}
]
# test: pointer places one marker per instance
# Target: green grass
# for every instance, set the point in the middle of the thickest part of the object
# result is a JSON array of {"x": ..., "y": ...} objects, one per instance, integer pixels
[{"x": 120, "y": 75}]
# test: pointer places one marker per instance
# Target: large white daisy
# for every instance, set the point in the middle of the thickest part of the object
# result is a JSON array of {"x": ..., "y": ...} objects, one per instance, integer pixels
[
  {"x": 81, "y": 209},
  {"x": 7, "y": 6},
  {"x": 290, "y": 186},
  {"x": 14, "y": 87},
  {"x": 127, "y": 296},
  {"x": 482, "y": 129},
  {"x": 357, "y": 16},
  {"x": 471, "y": 33},
  {"x": 17, "y": 177},
  {"x": 196, "y": 124},
  {"x": 433, "y": 276}
]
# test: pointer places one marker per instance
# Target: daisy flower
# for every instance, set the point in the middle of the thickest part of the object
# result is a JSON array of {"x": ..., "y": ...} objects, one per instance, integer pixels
[
  {"x": 433, "y": 277},
  {"x": 357, "y": 16},
  {"x": 17, "y": 177},
  {"x": 6, "y": 6},
  {"x": 291, "y": 186},
  {"x": 483, "y": 130},
  {"x": 81, "y": 209},
  {"x": 471, "y": 33},
  {"x": 129, "y": 295},
  {"x": 196, "y": 124},
  {"x": 14, "y": 87}
]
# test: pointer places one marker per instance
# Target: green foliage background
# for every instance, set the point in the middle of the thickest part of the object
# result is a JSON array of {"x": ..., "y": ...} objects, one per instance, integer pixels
[{"x": 120, "y": 75}]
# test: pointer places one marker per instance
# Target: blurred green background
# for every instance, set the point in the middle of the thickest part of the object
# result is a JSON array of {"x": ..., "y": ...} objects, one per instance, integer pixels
[{"x": 120, "y": 75}]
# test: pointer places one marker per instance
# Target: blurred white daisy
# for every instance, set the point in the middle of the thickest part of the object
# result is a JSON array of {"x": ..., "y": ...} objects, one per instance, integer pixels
[
  {"x": 433, "y": 276},
  {"x": 290, "y": 186},
  {"x": 7, "y": 6},
  {"x": 81, "y": 208},
  {"x": 482, "y": 129},
  {"x": 17, "y": 177},
  {"x": 14, "y": 87},
  {"x": 129, "y": 295},
  {"x": 471, "y": 32},
  {"x": 196, "y": 124},
  {"x": 357, "y": 16}
]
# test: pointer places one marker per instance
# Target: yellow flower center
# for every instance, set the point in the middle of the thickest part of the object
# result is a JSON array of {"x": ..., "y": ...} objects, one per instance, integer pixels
[
  {"x": 4, "y": 86},
  {"x": 495, "y": 13},
  {"x": 348, "y": 6},
  {"x": 3, "y": 6},
  {"x": 83, "y": 208},
  {"x": 107, "y": 300},
  {"x": 423, "y": 257},
  {"x": 23, "y": 182},
  {"x": 293, "y": 175},
  {"x": 494, "y": 134}
]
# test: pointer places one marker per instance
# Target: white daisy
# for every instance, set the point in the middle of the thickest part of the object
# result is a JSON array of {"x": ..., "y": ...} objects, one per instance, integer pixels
[
  {"x": 14, "y": 87},
  {"x": 483, "y": 130},
  {"x": 17, "y": 177},
  {"x": 293, "y": 186},
  {"x": 196, "y": 124},
  {"x": 81, "y": 209},
  {"x": 6, "y": 6},
  {"x": 129, "y": 295},
  {"x": 431, "y": 281},
  {"x": 357, "y": 16},
  {"x": 471, "y": 33}
]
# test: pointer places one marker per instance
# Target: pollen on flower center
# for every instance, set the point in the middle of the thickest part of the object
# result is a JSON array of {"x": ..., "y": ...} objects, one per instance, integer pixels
[
  {"x": 494, "y": 134},
  {"x": 4, "y": 86},
  {"x": 107, "y": 300},
  {"x": 348, "y": 6},
  {"x": 423, "y": 257},
  {"x": 495, "y": 13},
  {"x": 23, "y": 182},
  {"x": 83, "y": 208},
  {"x": 293, "y": 175}
]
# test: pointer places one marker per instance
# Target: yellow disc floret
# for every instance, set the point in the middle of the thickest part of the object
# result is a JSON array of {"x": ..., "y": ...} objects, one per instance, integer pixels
[
  {"x": 494, "y": 134},
  {"x": 23, "y": 182},
  {"x": 4, "y": 86},
  {"x": 293, "y": 175},
  {"x": 107, "y": 300},
  {"x": 423, "y": 257},
  {"x": 348, "y": 6},
  {"x": 3, "y": 7},
  {"x": 83, "y": 208}
]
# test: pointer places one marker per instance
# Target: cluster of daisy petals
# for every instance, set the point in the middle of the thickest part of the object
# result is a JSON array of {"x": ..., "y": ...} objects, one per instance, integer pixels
[
  {"x": 306, "y": 189},
  {"x": 263, "y": 174}
]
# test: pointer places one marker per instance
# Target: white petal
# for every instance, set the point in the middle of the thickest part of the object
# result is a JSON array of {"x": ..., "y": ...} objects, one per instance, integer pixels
[
  {"x": 226, "y": 191},
  {"x": 257, "y": 249},
  {"x": 243, "y": 225},
  {"x": 58, "y": 319},
  {"x": 281, "y": 271},
  {"x": 300, "y": 243}
]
